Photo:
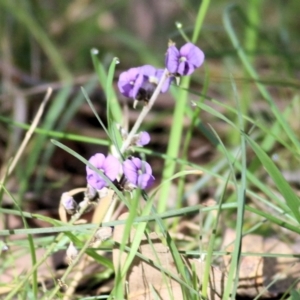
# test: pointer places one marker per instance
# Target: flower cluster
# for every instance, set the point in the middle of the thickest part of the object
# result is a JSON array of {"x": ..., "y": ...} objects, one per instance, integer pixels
[
  {"x": 137, "y": 173},
  {"x": 139, "y": 83},
  {"x": 124, "y": 171},
  {"x": 131, "y": 172}
]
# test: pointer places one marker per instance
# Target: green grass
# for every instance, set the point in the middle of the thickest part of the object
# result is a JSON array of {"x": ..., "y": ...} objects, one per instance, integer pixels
[{"x": 242, "y": 105}]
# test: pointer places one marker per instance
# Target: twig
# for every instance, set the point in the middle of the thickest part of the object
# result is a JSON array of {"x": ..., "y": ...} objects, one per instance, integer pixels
[{"x": 28, "y": 134}]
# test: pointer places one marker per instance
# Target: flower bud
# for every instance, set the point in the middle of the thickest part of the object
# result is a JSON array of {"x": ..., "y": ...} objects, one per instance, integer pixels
[
  {"x": 122, "y": 131},
  {"x": 91, "y": 193},
  {"x": 68, "y": 203},
  {"x": 141, "y": 139}
]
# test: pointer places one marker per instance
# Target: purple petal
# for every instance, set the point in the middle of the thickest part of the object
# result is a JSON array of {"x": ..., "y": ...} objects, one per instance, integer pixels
[
  {"x": 95, "y": 181},
  {"x": 111, "y": 167},
  {"x": 172, "y": 59},
  {"x": 167, "y": 82},
  {"x": 127, "y": 80},
  {"x": 193, "y": 54},
  {"x": 146, "y": 168},
  {"x": 130, "y": 171},
  {"x": 124, "y": 84},
  {"x": 148, "y": 70},
  {"x": 186, "y": 49},
  {"x": 68, "y": 202},
  {"x": 185, "y": 68},
  {"x": 145, "y": 181},
  {"x": 141, "y": 165},
  {"x": 137, "y": 162},
  {"x": 138, "y": 84},
  {"x": 97, "y": 161},
  {"x": 144, "y": 139}
]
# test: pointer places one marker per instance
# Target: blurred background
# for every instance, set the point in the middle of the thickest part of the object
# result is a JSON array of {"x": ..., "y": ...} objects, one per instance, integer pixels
[{"x": 48, "y": 44}]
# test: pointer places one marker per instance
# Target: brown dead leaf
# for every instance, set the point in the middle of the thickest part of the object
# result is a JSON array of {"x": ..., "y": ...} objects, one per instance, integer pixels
[
  {"x": 19, "y": 262},
  {"x": 257, "y": 272},
  {"x": 251, "y": 268},
  {"x": 286, "y": 268},
  {"x": 217, "y": 278},
  {"x": 143, "y": 275}
]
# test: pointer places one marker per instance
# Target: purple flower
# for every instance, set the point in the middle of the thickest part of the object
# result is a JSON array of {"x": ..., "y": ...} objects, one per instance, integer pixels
[
  {"x": 167, "y": 82},
  {"x": 143, "y": 139},
  {"x": 138, "y": 173},
  {"x": 184, "y": 61},
  {"x": 140, "y": 83},
  {"x": 130, "y": 82},
  {"x": 151, "y": 78},
  {"x": 109, "y": 165}
]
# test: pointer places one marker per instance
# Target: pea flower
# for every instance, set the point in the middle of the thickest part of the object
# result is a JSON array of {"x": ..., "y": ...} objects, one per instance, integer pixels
[
  {"x": 141, "y": 139},
  {"x": 184, "y": 61},
  {"x": 138, "y": 173},
  {"x": 151, "y": 78},
  {"x": 139, "y": 83},
  {"x": 109, "y": 165},
  {"x": 130, "y": 82}
]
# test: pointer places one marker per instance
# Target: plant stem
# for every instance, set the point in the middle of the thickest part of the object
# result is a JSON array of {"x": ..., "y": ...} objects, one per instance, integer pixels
[
  {"x": 144, "y": 112},
  {"x": 178, "y": 117}
]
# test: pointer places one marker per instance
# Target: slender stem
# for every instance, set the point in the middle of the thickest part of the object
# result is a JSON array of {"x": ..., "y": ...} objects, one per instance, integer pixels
[
  {"x": 144, "y": 112},
  {"x": 174, "y": 142},
  {"x": 178, "y": 118},
  {"x": 29, "y": 133}
]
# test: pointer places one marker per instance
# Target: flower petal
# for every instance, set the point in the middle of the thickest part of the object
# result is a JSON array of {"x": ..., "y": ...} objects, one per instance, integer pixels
[
  {"x": 137, "y": 162},
  {"x": 146, "y": 168},
  {"x": 137, "y": 85},
  {"x": 167, "y": 82},
  {"x": 130, "y": 171},
  {"x": 95, "y": 181},
  {"x": 145, "y": 181},
  {"x": 68, "y": 202},
  {"x": 127, "y": 80},
  {"x": 144, "y": 139},
  {"x": 148, "y": 70},
  {"x": 97, "y": 161},
  {"x": 172, "y": 59},
  {"x": 111, "y": 167},
  {"x": 185, "y": 68},
  {"x": 193, "y": 54}
]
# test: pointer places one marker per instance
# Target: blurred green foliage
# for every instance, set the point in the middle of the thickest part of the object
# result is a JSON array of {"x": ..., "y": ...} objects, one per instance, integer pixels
[{"x": 135, "y": 31}]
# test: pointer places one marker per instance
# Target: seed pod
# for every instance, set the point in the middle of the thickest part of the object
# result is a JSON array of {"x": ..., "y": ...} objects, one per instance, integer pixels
[{"x": 71, "y": 252}]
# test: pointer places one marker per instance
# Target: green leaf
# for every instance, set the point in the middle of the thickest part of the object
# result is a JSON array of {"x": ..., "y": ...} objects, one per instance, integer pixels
[{"x": 285, "y": 189}]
